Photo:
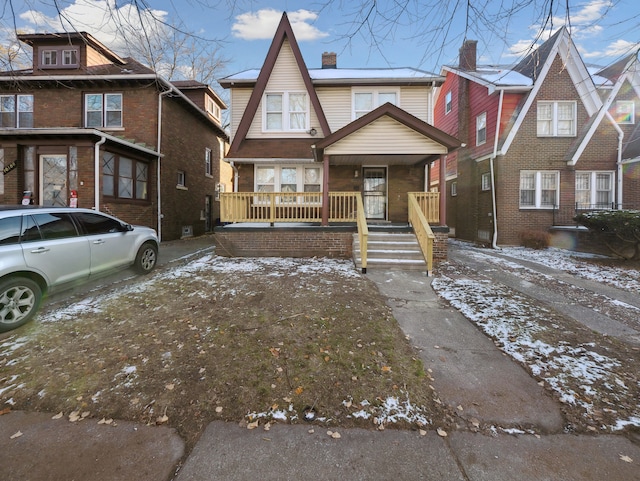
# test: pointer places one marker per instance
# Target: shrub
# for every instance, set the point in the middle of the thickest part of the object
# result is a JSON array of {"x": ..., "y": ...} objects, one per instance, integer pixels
[
  {"x": 535, "y": 239},
  {"x": 618, "y": 229}
]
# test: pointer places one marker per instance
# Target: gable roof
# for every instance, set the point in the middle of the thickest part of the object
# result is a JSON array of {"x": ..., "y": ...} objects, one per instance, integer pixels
[
  {"x": 425, "y": 129},
  {"x": 284, "y": 32}
]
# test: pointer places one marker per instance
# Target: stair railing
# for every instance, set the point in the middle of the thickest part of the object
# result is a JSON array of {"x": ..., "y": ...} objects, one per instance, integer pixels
[
  {"x": 363, "y": 232},
  {"x": 423, "y": 231}
]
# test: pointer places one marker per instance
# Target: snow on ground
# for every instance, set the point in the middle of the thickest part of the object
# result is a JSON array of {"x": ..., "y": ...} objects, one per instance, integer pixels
[{"x": 577, "y": 374}]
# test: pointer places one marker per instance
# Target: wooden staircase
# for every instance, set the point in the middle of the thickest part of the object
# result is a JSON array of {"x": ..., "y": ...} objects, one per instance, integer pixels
[{"x": 390, "y": 250}]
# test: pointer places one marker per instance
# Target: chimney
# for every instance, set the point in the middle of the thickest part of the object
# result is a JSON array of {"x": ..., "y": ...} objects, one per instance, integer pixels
[
  {"x": 468, "y": 55},
  {"x": 329, "y": 60}
]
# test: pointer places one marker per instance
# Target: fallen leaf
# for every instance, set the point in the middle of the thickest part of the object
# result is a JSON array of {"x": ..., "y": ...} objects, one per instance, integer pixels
[
  {"x": 299, "y": 390},
  {"x": 275, "y": 351},
  {"x": 423, "y": 432},
  {"x": 219, "y": 409},
  {"x": 5, "y": 411},
  {"x": 626, "y": 459},
  {"x": 267, "y": 426},
  {"x": 442, "y": 432},
  {"x": 460, "y": 408},
  {"x": 169, "y": 387},
  {"x": 386, "y": 369},
  {"x": 74, "y": 416},
  {"x": 58, "y": 416},
  {"x": 16, "y": 435},
  {"x": 105, "y": 421},
  {"x": 333, "y": 435},
  {"x": 162, "y": 419},
  {"x": 253, "y": 425}
]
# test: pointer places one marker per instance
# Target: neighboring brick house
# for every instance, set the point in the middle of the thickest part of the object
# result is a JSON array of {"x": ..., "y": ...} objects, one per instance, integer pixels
[
  {"x": 85, "y": 122},
  {"x": 540, "y": 144}
]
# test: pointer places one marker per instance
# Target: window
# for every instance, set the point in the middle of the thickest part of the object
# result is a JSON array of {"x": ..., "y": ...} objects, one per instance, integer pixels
[
  {"x": 366, "y": 101},
  {"x": 103, "y": 110},
  {"x": 625, "y": 112},
  {"x": 70, "y": 57},
  {"x": 208, "y": 170},
  {"x": 557, "y": 119},
  {"x": 288, "y": 111},
  {"x": 486, "y": 181},
  {"x": 16, "y": 111},
  {"x": 481, "y": 128},
  {"x": 49, "y": 58},
  {"x": 539, "y": 190},
  {"x": 454, "y": 189},
  {"x": 124, "y": 178},
  {"x": 594, "y": 190},
  {"x": 213, "y": 108},
  {"x": 96, "y": 224},
  {"x": 182, "y": 179},
  {"x": 288, "y": 178},
  {"x": 55, "y": 226},
  {"x": 447, "y": 102}
]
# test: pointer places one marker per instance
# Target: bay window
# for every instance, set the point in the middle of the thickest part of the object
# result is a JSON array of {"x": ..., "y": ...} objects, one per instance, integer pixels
[{"x": 124, "y": 178}]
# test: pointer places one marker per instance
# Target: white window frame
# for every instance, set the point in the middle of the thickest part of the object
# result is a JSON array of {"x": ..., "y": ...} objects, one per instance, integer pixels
[
  {"x": 208, "y": 163},
  {"x": 538, "y": 198},
  {"x": 591, "y": 180},
  {"x": 302, "y": 181},
  {"x": 286, "y": 112},
  {"x": 481, "y": 129},
  {"x": 551, "y": 125},
  {"x": 625, "y": 112},
  {"x": 213, "y": 108},
  {"x": 68, "y": 55},
  {"x": 377, "y": 99},
  {"x": 454, "y": 189},
  {"x": 448, "y": 104},
  {"x": 181, "y": 181},
  {"x": 49, "y": 58},
  {"x": 104, "y": 110},
  {"x": 485, "y": 181}
]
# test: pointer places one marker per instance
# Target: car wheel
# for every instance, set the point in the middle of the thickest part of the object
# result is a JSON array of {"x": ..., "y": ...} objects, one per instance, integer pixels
[
  {"x": 19, "y": 301},
  {"x": 146, "y": 259}
]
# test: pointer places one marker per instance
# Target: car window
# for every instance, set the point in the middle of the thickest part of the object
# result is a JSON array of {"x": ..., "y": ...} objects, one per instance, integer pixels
[
  {"x": 30, "y": 230},
  {"x": 93, "y": 224},
  {"x": 56, "y": 225},
  {"x": 10, "y": 230}
]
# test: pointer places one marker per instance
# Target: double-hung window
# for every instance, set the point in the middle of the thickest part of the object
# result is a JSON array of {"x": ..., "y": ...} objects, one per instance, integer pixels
[
  {"x": 289, "y": 178},
  {"x": 16, "y": 111},
  {"x": 539, "y": 189},
  {"x": 594, "y": 190},
  {"x": 557, "y": 119},
  {"x": 49, "y": 58},
  {"x": 124, "y": 178},
  {"x": 481, "y": 128},
  {"x": 447, "y": 102},
  {"x": 208, "y": 167},
  {"x": 103, "y": 110},
  {"x": 286, "y": 111},
  {"x": 365, "y": 101}
]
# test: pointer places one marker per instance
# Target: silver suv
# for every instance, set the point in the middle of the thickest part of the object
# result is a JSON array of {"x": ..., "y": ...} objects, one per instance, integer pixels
[{"x": 46, "y": 249}]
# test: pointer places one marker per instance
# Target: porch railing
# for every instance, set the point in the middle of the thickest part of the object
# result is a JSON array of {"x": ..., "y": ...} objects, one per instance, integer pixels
[
  {"x": 420, "y": 223},
  {"x": 363, "y": 233},
  {"x": 275, "y": 207},
  {"x": 429, "y": 203}
]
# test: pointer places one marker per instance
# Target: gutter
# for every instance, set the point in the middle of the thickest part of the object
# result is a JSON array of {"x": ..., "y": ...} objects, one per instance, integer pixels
[{"x": 494, "y": 240}]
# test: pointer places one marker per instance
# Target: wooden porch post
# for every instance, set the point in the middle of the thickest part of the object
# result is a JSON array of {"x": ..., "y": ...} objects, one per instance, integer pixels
[
  {"x": 443, "y": 189},
  {"x": 325, "y": 190}
]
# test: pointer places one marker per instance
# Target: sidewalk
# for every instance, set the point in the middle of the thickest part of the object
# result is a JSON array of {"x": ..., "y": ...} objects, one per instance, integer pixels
[{"x": 468, "y": 371}]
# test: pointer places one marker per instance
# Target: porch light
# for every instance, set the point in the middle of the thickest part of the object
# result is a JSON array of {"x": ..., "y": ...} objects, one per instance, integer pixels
[{"x": 313, "y": 132}]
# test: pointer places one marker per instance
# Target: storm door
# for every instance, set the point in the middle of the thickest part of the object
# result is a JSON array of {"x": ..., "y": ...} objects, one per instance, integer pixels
[
  {"x": 374, "y": 192},
  {"x": 53, "y": 184}
]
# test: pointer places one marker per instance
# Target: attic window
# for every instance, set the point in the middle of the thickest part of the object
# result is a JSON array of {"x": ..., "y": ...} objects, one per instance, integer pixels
[
  {"x": 213, "y": 108},
  {"x": 625, "y": 112},
  {"x": 62, "y": 57},
  {"x": 49, "y": 58}
]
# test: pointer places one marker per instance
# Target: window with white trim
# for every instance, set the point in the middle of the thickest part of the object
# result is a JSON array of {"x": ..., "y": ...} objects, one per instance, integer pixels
[
  {"x": 181, "y": 179},
  {"x": 208, "y": 166},
  {"x": 454, "y": 189},
  {"x": 481, "y": 128},
  {"x": 69, "y": 58},
  {"x": 16, "y": 111},
  {"x": 289, "y": 178},
  {"x": 557, "y": 119},
  {"x": 485, "y": 181},
  {"x": 594, "y": 190},
  {"x": 364, "y": 101},
  {"x": 286, "y": 111},
  {"x": 59, "y": 57},
  {"x": 625, "y": 111},
  {"x": 448, "y": 105},
  {"x": 539, "y": 189},
  {"x": 213, "y": 108},
  {"x": 103, "y": 110}
]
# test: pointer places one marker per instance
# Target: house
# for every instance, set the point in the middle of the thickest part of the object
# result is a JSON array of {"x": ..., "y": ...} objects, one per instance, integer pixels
[
  {"x": 309, "y": 145},
  {"x": 88, "y": 128},
  {"x": 544, "y": 140}
]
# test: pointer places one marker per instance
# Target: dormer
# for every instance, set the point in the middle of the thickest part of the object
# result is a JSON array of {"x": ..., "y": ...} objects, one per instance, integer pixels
[
  {"x": 62, "y": 53},
  {"x": 203, "y": 96}
]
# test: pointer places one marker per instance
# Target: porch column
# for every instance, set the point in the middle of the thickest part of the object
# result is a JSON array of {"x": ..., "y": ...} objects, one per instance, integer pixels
[
  {"x": 325, "y": 190},
  {"x": 443, "y": 189}
]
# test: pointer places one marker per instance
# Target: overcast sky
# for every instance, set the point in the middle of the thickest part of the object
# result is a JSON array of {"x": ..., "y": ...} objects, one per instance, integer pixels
[{"x": 422, "y": 38}]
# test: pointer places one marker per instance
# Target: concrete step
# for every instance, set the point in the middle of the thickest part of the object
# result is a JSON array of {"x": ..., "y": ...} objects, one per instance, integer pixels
[{"x": 390, "y": 251}]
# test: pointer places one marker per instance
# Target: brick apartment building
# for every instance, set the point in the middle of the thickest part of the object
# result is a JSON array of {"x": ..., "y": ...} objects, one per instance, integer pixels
[{"x": 87, "y": 127}]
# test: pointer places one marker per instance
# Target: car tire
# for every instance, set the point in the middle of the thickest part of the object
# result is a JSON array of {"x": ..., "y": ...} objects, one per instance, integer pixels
[
  {"x": 146, "y": 259},
  {"x": 20, "y": 299}
]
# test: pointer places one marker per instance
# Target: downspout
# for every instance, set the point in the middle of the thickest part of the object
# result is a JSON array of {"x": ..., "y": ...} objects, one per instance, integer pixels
[
  {"x": 97, "y": 170},
  {"x": 494, "y": 241},
  {"x": 236, "y": 174},
  {"x": 618, "y": 161},
  {"x": 158, "y": 183}
]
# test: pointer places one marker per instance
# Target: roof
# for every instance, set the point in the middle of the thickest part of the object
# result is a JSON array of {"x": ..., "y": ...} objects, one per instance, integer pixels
[{"x": 69, "y": 37}]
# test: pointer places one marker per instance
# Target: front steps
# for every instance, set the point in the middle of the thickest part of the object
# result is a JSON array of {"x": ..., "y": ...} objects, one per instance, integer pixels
[{"x": 390, "y": 250}]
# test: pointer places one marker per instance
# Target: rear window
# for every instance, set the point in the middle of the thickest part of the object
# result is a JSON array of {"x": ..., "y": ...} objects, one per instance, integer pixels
[
  {"x": 56, "y": 226},
  {"x": 10, "y": 230}
]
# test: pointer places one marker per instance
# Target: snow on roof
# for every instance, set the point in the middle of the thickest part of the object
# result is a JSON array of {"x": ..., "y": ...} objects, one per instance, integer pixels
[{"x": 404, "y": 73}]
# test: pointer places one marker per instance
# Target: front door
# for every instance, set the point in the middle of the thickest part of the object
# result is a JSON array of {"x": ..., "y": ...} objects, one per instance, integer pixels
[
  {"x": 374, "y": 192},
  {"x": 53, "y": 175}
]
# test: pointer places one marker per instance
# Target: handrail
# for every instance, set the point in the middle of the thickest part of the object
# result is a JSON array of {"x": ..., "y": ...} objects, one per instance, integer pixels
[
  {"x": 429, "y": 203},
  {"x": 423, "y": 231},
  {"x": 363, "y": 233}
]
